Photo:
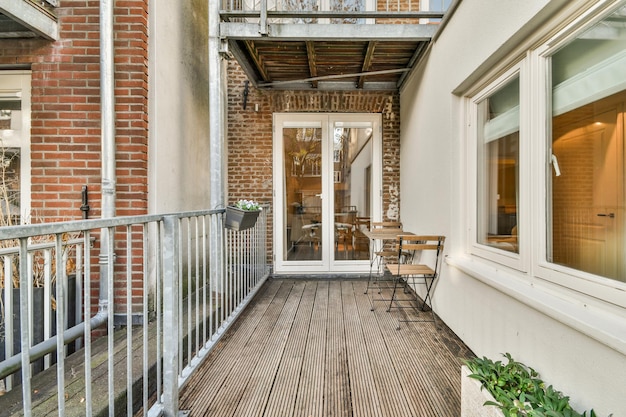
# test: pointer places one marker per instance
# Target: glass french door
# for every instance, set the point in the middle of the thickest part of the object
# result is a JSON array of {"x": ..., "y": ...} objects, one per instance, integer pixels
[{"x": 327, "y": 177}]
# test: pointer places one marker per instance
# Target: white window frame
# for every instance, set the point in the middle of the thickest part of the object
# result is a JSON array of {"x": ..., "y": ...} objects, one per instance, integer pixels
[
  {"x": 517, "y": 261},
  {"x": 14, "y": 85},
  {"x": 531, "y": 264},
  {"x": 601, "y": 288}
]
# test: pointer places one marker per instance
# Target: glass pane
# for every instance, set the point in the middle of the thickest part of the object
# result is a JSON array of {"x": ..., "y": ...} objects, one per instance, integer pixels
[
  {"x": 303, "y": 190},
  {"x": 9, "y": 187},
  {"x": 347, "y": 6},
  {"x": 302, "y": 5},
  {"x": 352, "y": 162},
  {"x": 10, "y": 123},
  {"x": 498, "y": 165},
  {"x": 586, "y": 216}
]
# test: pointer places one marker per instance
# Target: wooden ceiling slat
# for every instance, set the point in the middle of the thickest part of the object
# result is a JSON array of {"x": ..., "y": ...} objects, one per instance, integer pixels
[{"x": 298, "y": 60}]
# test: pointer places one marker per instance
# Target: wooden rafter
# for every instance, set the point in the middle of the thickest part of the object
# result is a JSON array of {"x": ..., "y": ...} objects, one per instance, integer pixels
[
  {"x": 310, "y": 52},
  {"x": 367, "y": 62},
  {"x": 254, "y": 55}
]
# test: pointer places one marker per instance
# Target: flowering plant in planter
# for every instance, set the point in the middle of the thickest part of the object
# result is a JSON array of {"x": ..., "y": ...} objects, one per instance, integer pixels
[
  {"x": 242, "y": 215},
  {"x": 248, "y": 205}
]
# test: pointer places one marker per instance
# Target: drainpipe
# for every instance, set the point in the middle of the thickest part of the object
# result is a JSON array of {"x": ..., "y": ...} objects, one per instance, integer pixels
[
  {"x": 217, "y": 143},
  {"x": 107, "y": 123}
]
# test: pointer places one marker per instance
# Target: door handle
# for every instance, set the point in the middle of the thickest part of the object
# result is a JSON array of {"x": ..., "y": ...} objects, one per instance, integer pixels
[{"x": 611, "y": 215}]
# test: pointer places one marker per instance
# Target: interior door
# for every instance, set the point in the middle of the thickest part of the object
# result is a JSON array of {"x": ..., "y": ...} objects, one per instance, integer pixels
[
  {"x": 588, "y": 206},
  {"x": 324, "y": 174}
]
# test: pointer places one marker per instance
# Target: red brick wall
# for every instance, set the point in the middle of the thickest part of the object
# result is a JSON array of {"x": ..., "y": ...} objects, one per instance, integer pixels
[
  {"x": 250, "y": 134},
  {"x": 65, "y": 134},
  {"x": 65, "y": 112}
]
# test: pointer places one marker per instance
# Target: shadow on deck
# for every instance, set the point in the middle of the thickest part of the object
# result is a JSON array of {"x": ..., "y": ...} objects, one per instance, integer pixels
[{"x": 313, "y": 347}]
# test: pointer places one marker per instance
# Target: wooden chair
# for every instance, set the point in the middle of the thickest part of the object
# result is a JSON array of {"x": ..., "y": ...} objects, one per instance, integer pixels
[
  {"x": 360, "y": 241},
  {"x": 413, "y": 252}
]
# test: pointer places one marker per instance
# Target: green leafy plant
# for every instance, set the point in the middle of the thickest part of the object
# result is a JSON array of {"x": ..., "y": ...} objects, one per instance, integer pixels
[
  {"x": 248, "y": 205},
  {"x": 519, "y": 391}
]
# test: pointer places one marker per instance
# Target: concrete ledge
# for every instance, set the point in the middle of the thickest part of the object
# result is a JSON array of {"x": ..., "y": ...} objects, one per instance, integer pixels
[{"x": 473, "y": 396}]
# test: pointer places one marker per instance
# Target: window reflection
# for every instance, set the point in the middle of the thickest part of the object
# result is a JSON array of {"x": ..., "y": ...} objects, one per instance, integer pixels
[
  {"x": 498, "y": 168},
  {"x": 586, "y": 223}
]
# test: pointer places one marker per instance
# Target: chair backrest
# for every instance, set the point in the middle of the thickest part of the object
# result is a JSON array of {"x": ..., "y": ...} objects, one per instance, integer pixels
[
  {"x": 422, "y": 243},
  {"x": 377, "y": 226},
  {"x": 362, "y": 223}
]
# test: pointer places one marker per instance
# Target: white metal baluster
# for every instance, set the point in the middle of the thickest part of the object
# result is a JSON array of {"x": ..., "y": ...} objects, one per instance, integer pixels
[
  {"x": 144, "y": 313},
  {"x": 129, "y": 321},
  {"x": 87, "y": 315},
  {"x": 60, "y": 299}
]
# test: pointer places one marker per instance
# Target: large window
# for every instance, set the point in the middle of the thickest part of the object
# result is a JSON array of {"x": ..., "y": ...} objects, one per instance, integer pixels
[
  {"x": 557, "y": 117},
  {"x": 498, "y": 167},
  {"x": 586, "y": 185}
]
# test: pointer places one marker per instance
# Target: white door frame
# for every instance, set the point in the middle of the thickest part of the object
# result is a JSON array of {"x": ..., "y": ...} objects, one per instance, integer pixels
[{"x": 325, "y": 121}]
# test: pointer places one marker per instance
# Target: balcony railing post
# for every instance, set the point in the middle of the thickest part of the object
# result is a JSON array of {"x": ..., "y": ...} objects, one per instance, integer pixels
[
  {"x": 263, "y": 19},
  {"x": 25, "y": 339},
  {"x": 171, "y": 233}
]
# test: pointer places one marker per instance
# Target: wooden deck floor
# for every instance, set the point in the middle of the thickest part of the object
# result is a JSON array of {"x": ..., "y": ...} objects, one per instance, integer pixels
[{"x": 314, "y": 348}]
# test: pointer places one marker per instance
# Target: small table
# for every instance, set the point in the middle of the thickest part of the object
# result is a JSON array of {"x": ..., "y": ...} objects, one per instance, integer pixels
[{"x": 377, "y": 253}]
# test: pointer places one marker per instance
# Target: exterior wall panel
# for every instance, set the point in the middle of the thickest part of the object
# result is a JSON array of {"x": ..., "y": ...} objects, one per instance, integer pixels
[{"x": 581, "y": 353}]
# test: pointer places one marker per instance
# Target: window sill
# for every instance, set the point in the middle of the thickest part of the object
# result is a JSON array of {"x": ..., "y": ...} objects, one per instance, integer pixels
[{"x": 604, "y": 326}]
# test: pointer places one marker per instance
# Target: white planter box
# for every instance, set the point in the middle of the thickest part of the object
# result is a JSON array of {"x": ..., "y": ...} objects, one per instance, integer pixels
[{"x": 473, "y": 398}]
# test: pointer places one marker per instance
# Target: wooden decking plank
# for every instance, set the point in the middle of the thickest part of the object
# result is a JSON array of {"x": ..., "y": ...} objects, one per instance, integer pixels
[
  {"x": 447, "y": 362},
  {"x": 223, "y": 356},
  {"x": 310, "y": 400},
  {"x": 392, "y": 396},
  {"x": 425, "y": 366},
  {"x": 365, "y": 401},
  {"x": 257, "y": 352},
  {"x": 325, "y": 346},
  {"x": 223, "y": 353},
  {"x": 437, "y": 370},
  {"x": 272, "y": 390},
  {"x": 412, "y": 364},
  {"x": 221, "y": 383},
  {"x": 337, "y": 399}
]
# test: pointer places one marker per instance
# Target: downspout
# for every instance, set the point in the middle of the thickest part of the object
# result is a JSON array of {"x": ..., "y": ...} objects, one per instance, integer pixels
[
  {"x": 217, "y": 152},
  {"x": 107, "y": 132}
]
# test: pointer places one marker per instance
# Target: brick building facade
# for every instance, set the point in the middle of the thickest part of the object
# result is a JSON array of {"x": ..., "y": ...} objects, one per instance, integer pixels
[
  {"x": 65, "y": 109},
  {"x": 65, "y": 134},
  {"x": 250, "y": 134}
]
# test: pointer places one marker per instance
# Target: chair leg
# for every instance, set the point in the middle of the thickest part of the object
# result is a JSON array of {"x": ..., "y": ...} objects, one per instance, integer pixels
[
  {"x": 426, "y": 302},
  {"x": 393, "y": 294}
]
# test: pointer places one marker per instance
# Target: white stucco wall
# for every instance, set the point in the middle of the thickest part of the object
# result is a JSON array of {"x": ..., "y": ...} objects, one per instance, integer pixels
[
  {"x": 179, "y": 106},
  {"x": 491, "y": 311}
]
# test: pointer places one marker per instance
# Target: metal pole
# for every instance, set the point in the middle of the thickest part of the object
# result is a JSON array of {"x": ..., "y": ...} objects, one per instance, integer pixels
[
  {"x": 107, "y": 127},
  {"x": 171, "y": 234},
  {"x": 107, "y": 101},
  {"x": 217, "y": 122}
]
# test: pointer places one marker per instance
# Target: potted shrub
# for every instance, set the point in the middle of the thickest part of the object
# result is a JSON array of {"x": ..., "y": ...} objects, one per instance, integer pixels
[
  {"x": 243, "y": 215},
  {"x": 513, "y": 389}
]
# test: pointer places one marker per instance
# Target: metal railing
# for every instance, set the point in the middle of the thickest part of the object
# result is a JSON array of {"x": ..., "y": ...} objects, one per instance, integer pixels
[
  {"x": 325, "y": 11},
  {"x": 157, "y": 293}
]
